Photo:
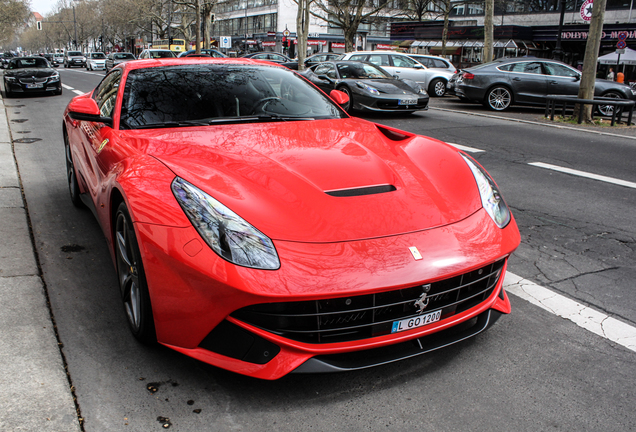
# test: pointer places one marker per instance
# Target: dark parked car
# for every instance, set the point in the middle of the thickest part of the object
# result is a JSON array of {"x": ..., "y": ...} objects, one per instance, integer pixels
[
  {"x": 31, "y": 75},
  {"x": 113, "y": 59},
  {"x": 74, "y": 58},
  {"x": 313, "y": 60},
  {"x": 527, "y": 81},
  {"x": 210, "y": 52},
  {"x": 269, "y": 56},
  {"x": 5, "y": 58},
  {"x": 369, "y": 87}
]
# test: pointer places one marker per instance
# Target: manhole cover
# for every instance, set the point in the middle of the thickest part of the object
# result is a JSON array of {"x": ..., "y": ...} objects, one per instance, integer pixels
[
  {"x": 14, "y": 106},
  {"x": 26, "y": 140},
  {"x": 23, "y": 132},
  {"x": 19, "y": 120}
]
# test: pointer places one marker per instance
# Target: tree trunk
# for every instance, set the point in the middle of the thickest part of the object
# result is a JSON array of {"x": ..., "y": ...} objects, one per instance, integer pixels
[
  {"x": 488, "y": 31},
  {"x": 588, "y": 77},
  {"x": 197, "y": 38},
  {"x": 447, "y": 9},
  {"x": 302, "y": 31}
]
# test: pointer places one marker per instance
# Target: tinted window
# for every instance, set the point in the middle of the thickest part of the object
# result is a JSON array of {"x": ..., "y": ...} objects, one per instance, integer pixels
[
  {"x": 378, "y": 59},
  {"x": 402, "y": 61},
  {"x": 204, "y": 93},
  {"x": 437, "y": 63},
  {"x": 98, "y": 56},
  {"x": 28, "y": 63},
  {"x": 73, "y": 53},
  {"x": 361, "y": 71},
  {"x": 559, "y": 70},
  {"x": 358, "y": 57},
  {"x": 526, "y": 67},
  {"x": 106, "y": 93}
]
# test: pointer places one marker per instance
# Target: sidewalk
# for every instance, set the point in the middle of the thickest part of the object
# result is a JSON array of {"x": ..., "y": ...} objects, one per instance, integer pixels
[{"x": 35, "y": 394}]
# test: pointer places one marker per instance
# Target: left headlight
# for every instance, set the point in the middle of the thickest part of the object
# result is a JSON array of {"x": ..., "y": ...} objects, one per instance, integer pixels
[
  {"x": 54, "y": 77},
  {"x": 491, "y": 198},
  {"x": 368, "y": 88},
  {"x": 229, "y": 235}
]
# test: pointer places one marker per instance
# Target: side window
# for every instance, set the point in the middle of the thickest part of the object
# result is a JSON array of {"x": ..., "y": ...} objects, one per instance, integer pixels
[
  {"x": 331, "y": 71},
  {"x": 359, "y": 57},
  {"x": 379, "y": 59},
  {"x": 402, "y": 61},
  {"x": 322, "y": 69},
  {"x": 439, "y": 64},
  {"x": 106, "y": 93},
  {"x": 559, "y": 70},
  {"x": 533, "y": 68}
]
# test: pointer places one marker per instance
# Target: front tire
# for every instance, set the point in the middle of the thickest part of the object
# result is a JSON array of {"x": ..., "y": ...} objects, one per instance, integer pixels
[
  {"x": 71, "y": 175},
  {"x": 499, "y": 98},
  {"x": 132, "y": 279},
  {"x": 437, "y": 87},
  {"x": 348, "y": 107}
]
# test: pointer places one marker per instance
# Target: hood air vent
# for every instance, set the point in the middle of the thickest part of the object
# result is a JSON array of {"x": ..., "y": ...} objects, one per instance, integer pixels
[{"x": 367, "y": 190}]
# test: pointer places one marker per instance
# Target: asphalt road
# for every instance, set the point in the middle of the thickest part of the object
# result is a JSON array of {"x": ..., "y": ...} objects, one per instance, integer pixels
[{"x": 532, "y": 371}]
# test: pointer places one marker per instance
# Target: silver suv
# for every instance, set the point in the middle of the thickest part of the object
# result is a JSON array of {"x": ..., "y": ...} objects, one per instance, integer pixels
[
  {"x": 403, "y": 66},
  {"x": 74, "y": 58}
]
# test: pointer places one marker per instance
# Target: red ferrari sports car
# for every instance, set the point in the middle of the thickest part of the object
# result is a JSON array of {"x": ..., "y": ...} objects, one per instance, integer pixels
[{"x": 257, "y": 227}]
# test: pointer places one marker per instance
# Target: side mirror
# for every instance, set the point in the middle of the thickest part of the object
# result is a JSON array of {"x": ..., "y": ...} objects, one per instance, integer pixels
[
  {"x": 339, "y": 97},
  {"x": 418, "y": 66},
  {"x": 86, "y": 109},
  {"x": 577, "y": 77}
]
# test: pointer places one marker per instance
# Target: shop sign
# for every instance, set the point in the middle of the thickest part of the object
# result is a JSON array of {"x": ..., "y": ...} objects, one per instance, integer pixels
[
  {"x": 337, "y": 45},
  {"x": 268, "y": 43},
  {"x": 386, "y": 47},
  {"x": 586, "y": 10}
]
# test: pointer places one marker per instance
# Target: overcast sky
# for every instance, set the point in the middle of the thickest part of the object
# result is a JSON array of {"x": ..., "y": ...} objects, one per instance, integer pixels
[{"x": 43, "y": 6}]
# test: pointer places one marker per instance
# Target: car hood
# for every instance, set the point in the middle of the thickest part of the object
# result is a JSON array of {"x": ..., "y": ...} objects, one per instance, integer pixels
[
  {"x": 388, "y": 85},
  {"x": 30, "y": 72},
  {"x": 281, "y": 177}
]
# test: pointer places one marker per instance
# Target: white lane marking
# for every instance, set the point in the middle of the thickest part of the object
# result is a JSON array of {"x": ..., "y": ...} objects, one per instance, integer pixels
[
  {"x": 585, "y": 174},
  {"x": 78, "y": 92},
  {"x": 466, "y": 148},
  {"x": 67, "y": 87},
  {"x": 583, "y": 316}
]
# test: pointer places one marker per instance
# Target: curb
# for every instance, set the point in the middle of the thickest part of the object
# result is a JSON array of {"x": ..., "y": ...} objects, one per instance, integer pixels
[{"x": 35, "y": 392}]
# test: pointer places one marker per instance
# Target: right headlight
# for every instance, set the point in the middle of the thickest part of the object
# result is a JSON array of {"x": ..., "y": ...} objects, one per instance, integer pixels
[
  {"x": 491, "y": 199},
  {"x": 229, "y": 235}
]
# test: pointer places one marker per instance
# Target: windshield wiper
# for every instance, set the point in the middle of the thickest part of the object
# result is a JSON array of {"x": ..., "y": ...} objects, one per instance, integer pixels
[
  {"x": 252, "y": 119},
  {"x": 172, "y": 124}
]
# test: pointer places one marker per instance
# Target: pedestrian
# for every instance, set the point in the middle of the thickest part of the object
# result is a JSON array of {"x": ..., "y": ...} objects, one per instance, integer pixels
[{"x": 610, "y": 74}]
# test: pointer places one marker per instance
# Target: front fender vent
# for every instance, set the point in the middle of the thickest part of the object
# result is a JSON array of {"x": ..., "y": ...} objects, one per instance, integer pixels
[{"x": 366, "y": 190}]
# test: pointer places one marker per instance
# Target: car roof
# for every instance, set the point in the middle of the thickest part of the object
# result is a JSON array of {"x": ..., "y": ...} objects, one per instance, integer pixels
[{"x": 181, "y": 61}]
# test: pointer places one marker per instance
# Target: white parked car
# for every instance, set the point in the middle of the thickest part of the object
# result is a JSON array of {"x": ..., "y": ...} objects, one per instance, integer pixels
[
  {"x": 403, "y": 66},
  {"x": 156, "y": 54},
  {"x": 445, "y": 68},
  {"x": 96, "y": 61}
]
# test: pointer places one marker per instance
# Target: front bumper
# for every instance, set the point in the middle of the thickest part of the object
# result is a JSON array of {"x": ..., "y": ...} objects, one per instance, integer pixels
[
  {"x": 194, "y": 292},
  {"x": 387, "y": 104}
]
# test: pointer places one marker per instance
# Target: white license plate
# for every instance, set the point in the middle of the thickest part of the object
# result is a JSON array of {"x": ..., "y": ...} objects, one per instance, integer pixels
[
  {"x": 407, "y": 102},
  {"x": 29, "y": 86},
  {"x": 420, "y": 321}
]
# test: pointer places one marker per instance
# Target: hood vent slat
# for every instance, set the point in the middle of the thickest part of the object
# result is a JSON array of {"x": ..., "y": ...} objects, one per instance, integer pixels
[{"x": 367, "y": 190}]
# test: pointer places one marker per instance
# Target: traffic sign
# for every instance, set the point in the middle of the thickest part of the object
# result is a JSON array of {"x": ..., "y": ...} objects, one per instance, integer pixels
[
  {"x": 286, "y": 33},
  {"x": 586, "y": 10},
  {"x": 621, "y": 44},
  {"x": 226, "y": 42}
]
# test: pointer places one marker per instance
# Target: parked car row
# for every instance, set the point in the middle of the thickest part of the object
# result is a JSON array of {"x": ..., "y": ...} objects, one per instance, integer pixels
[{"x": 527, "y": 81}]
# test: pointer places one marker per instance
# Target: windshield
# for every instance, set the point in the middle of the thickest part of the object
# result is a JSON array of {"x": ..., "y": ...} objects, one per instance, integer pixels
[
  {"x": 212, "y": 94},
  {"x": 98, "y": 56},
  {"x": 161, "y": 54},
  {"x": 361, "y": 71},
  {"x": 124, "y": 56},
  {"x": 74, "y": 53},
  {"x": 28, "y": 63}
]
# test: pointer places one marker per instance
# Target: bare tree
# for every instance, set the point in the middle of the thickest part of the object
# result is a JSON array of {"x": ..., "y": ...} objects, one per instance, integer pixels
[
  {"x": 13, "y": 14},
  {"x": 588, "y": 76},
  {"x": 488, "y": 31},
  {"x": 302, "y": 30},
  {"x": 348, "y": 15}
]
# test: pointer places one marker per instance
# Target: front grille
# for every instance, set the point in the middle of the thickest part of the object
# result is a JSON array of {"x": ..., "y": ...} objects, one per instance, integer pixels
[
  {"x": 365, "y": 316},
  {"x": 33, "y": 80}
]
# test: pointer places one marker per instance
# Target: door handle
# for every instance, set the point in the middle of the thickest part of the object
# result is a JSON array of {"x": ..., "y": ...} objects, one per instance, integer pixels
[
  {"x": 554, "y": 82},
  {"x": 516, "y": 79}
]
